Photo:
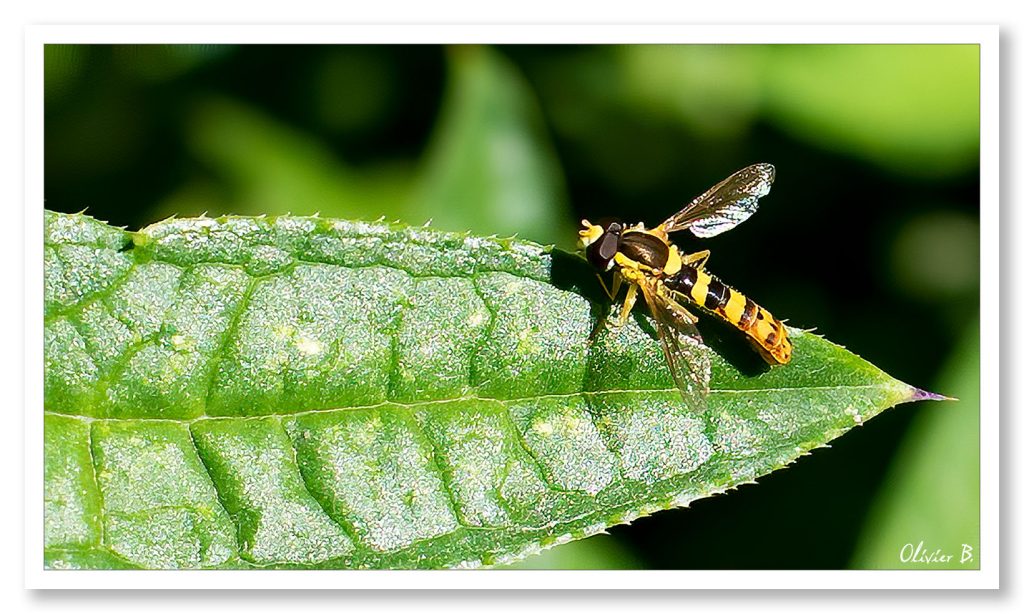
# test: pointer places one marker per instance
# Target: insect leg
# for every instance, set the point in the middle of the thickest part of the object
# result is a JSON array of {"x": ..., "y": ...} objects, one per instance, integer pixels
[
  {"x": 627, "y": 307},
  {"x": 604, "y": 287},
  {"x": 616, "y": 285}
]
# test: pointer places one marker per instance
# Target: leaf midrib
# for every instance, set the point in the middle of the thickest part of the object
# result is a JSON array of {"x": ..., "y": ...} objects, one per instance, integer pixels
[{"x": 419, "y": 404}]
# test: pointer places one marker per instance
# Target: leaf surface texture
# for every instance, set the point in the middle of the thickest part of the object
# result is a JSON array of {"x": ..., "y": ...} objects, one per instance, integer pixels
[{"x": 316, "y": 393}]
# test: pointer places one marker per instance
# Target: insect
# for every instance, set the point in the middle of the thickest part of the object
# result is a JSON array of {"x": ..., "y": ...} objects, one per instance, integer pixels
[{"x": 668, "y": 278}]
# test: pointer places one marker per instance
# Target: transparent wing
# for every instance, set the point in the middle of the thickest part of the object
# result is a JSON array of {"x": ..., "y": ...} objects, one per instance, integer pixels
[
  {"x": 727, "y": 204},
  {"x": 687, "y": 359}
]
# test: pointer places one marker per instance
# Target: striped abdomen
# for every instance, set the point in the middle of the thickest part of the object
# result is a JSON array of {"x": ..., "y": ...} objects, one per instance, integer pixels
[{"x": 767, "y": 333}]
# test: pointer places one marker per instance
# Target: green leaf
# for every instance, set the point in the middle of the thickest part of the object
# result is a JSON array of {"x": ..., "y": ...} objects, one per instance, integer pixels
[
  {"x": 285, "y": 391},
  {"x": 490, "y": 165},
  {"x": 912, "y": 108},
  {"x": 262, "y": 165},
  {"x": 597, "y": 552}
]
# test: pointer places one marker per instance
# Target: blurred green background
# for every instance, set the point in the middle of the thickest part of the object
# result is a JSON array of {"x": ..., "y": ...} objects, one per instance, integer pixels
[{"x": 870, "y": 233}]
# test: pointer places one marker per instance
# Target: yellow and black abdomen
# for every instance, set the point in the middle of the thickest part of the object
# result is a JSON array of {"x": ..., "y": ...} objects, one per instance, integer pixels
[{"x": 706, "y": 291}]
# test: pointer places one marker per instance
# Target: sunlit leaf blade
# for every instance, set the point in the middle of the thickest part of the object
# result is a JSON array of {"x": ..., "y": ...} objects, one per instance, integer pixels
[{"x": 306, "y": 392}]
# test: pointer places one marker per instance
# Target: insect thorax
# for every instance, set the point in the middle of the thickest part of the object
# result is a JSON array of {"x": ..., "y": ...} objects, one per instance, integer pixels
[{"x": 645, "y": 249}]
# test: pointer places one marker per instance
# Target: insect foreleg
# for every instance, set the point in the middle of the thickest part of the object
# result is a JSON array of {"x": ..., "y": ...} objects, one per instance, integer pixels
[
  {"x": 604, "y": 287},
  {"x": 616, "y": 284}
]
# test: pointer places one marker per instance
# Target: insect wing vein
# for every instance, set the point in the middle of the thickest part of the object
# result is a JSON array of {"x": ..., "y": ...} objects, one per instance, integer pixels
[
  {"x": 688, "y": 362},
  {"x": 726, "y": 205}
]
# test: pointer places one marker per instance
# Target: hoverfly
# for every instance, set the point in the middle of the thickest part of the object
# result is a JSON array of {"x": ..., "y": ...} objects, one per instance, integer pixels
[{"x": 667, "y": 277}]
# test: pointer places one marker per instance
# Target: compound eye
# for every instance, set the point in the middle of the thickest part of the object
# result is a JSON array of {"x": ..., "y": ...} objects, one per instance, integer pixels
[{"x": 601, "y": 253}]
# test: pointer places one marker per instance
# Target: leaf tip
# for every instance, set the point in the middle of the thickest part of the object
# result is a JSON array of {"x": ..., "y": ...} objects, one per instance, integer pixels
[{"x": 920, "y": 394}]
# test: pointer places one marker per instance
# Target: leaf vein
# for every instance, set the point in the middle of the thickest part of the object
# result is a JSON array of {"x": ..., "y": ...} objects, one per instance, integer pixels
[
  {"x": 216, "y": 490},
  {"x": 485, "y": 336},
  {"x": 229, "y": 332},
  {"x": 442, "y": 474},
  {"x": 87, "y": 299},
  {"x": 99, "y": 490},
  {"x": 108, "y": 379},
  {"x": 338, "y": 520}
]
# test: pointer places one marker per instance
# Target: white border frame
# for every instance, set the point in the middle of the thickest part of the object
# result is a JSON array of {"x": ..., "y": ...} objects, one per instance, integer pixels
[{"x": 985, "y": 36}]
